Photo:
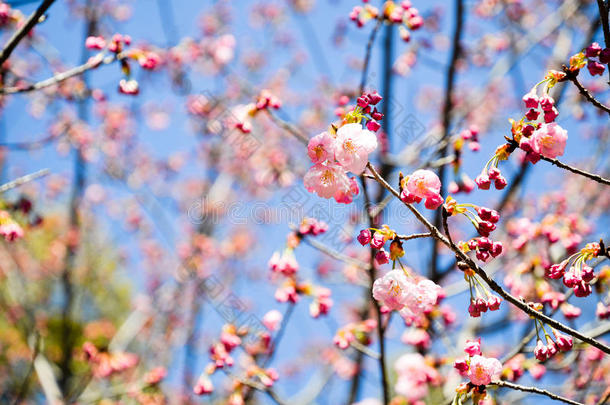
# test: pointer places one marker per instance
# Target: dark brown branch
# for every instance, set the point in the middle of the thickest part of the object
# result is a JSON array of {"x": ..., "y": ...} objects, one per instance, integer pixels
[
  {"x": 24, "y": 30},
  {"x": 519, "y": 303},
  {"x": 534, "y": 390},
  {"x": 446, "y": 119},
  {"x": 572, "y": 76},
  {"x": 372, "y": 276},
  {"x": 594, "y": 177}
]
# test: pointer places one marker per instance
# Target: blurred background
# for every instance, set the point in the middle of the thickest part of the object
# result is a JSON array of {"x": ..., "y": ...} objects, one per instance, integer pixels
[{"x": 157, "y": 218}]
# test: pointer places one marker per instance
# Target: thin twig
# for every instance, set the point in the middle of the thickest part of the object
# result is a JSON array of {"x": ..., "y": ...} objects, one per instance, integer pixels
[
  {"x": 23, "y": 180},
  {"x": 594, "y": 177},
  {"x": 572, "y": 76},
  {"x": 365, "y": 350},
  {"x": 24, "y": 30},
  {"x": 288, "y": 127},
  {"x": 519, "y": 303},
  {"x": 535, "y": 390},
  {"x": 414, "y": 236},
  {"x": 92, "y": 63}
]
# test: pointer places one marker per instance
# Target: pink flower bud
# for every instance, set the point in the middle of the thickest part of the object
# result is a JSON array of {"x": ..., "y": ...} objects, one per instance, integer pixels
[
  {"x": 483, "y": 181},
  {"x": 570, "y": 278},
  {"x": 373, "y": 125},
  {"x": 434, "y": 202},
  {"x": 494, "y": 303},
  {"x": 564, "y": 342},
  {"x": 582, "y": 289},
  {"x": 587, "y": 273},
  {"x": 540, "y": 351},
  {"x": 484, "y": 243},
  {"x": 500, "y": 183},
  {"x": 409, "y": 198},
  {"x": 362, "y": 102},
  {"x": 382, "y": 257},
  {"x": 374, "y": 98},
  {"x": 547, "y": 102},
  {"x": 461, "y": 365},
  {"x": 496, "y": 249},
  {"x": 378, "y": 241},
  {"x": 532, "y": 114},
  {"x": 550, "y": 115},
  {"x": 473, "y": 310},
  {"x": 493, "y": 173},
  {"x": 364, "y": 237},
  {"x": 595, "y": 68},
  {"x": 593, "y": 50}
]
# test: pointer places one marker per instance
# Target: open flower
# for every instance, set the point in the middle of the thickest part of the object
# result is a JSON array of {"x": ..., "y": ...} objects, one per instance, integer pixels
[
  {"x": 325, "y": 179},
  {"x": 321, "y": 147},
  {"x": 483, "y": 370},
  {"x": 391, "y": 290},
  {"x": 550, "y": 140},
  {"x": 353, "y": 146}
]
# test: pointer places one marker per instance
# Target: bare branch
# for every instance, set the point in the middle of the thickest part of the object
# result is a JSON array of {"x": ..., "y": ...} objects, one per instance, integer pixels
[
  {"x": 535, "y": 390},
  {"x": 24, "y": 30}
]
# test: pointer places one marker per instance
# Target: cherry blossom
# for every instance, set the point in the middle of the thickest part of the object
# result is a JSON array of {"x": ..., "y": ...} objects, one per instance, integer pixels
[{"x": 353, "y": 145}]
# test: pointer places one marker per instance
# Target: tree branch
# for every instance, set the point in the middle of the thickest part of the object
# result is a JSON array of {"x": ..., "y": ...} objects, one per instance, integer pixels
[
  {"x": 92, "y": 63},
  {"x": 519, "y": 303},
  {"x": 506, "y": 384},
  {"x": 24, "y": 30},
  {"x": 572, "y": 76},
  {"x": 594, "y": 177}
]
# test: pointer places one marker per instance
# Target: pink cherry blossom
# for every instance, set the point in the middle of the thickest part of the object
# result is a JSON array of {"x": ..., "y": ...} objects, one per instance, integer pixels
[
  {"x": 391, "y": 290},
  {"x": 422, "y": 297},
  {"x": 484, "y": 370},
  {"x": 550, "y": 140},
  {"x": 424, "y": 184},
  {"x": 326, "y": 179},
  {"x": 321, "y": 147},
  {"x": 353, "y": 146}
]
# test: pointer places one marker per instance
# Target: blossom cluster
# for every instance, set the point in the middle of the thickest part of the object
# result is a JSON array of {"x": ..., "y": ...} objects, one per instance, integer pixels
[
  {"x": 479, "y": 369},
  {"x": 578, "y": 275},
  {"x": 422, "y": 185},
  {"x": 148, "y": 60},
  {"x": 404, "y": 15},
  {"x": 484, "y": 220},
  {"x": 593, "y": 57},
  {"x": 561, "y": 342},
  {"x": 334, "y": 153},
  {"x": 401, "y": 292}
]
